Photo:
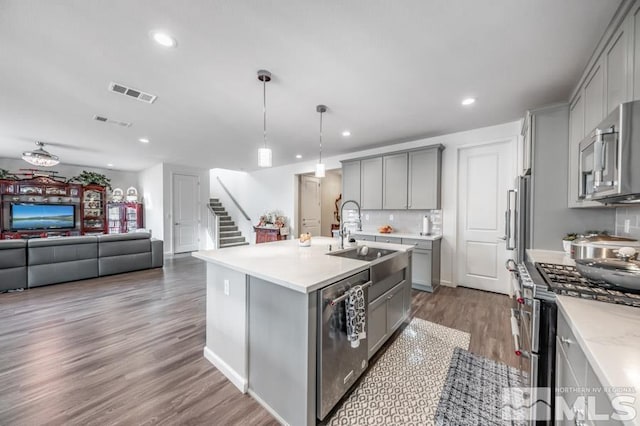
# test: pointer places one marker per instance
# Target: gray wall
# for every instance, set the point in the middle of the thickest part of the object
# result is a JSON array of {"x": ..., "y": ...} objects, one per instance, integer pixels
[{"x": 551, "y": 218}]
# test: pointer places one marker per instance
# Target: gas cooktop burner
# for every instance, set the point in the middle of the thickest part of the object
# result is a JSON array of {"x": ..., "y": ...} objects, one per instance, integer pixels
[{"x": 567, "y": 281}]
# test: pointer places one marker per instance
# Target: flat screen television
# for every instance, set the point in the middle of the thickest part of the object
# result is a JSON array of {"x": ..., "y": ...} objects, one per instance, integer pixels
[{"x": 40, "y": 216}]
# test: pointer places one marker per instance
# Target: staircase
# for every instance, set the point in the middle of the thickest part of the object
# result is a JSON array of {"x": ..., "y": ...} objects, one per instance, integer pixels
[{"x": 228, "y": 235}]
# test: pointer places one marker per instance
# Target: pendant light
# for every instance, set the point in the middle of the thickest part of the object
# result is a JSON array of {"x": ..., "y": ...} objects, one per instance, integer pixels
[
  {"x": 320, "y": 169},
  {"x": 39, "y": 157},
  {"x": 264, "y": 154}
]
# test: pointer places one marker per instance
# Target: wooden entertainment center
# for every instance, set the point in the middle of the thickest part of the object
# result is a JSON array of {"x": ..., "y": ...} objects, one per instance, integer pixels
[{"x": 88, "y": 203}]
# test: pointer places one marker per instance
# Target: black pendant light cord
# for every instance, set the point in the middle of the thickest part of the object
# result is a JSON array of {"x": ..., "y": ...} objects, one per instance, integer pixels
[
  {"x": 321, "y": 137},
  {"x": 264, "y": 110}
]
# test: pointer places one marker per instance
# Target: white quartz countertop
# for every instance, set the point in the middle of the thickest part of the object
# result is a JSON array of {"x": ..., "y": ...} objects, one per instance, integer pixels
[
  {"x": 609, "y": 335},
  {"x": 550, "y": 256},
  {"x": 399, "y": 235},
  {"x": 303, "y": 269}
]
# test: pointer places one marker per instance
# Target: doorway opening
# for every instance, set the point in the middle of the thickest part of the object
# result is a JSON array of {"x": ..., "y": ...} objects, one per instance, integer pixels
[{"x": 319, "y": 203}]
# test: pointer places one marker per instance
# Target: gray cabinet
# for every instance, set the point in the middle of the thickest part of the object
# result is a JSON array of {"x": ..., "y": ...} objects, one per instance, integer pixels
[
  {"x": 394, "y": 183},
  {"x": 594, "y": 97},
  {"x": 425, "y": 274},
  {"x": 392, "y": 240},
  {"x": 385, "y": 314},
  {"x": 424, "y": 178},
  {"x": 351, "y": 181},
  {"x": 371, "y": 183},
  {"x": 576, "y": 382},
  {"x": 377, "y": 328},
  {"x": 615, "y": 62}
]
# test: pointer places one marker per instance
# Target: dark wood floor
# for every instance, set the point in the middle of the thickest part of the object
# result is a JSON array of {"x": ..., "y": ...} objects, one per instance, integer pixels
[{"x": 127, "y": 350}]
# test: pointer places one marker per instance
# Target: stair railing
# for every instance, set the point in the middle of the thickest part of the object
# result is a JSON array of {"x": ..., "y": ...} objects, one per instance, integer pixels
[
  {"x": 213, "y": 226},
  {"x": 246, "y": 216}
]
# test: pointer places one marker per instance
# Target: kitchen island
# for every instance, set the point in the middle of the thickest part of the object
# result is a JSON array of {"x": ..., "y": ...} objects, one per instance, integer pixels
[{"x": 263, "y": 309}]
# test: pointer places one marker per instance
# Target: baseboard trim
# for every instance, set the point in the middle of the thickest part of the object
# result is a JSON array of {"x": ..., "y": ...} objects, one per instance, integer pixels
[
  {"x": 234, "y": 377},
  {"x": 447, "y": 283},
  {"x": 267, "y": 407}
]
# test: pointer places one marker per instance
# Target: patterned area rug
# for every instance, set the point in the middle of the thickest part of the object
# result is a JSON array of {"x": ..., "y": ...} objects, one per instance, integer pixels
[
  {"x": 404, "y": 385},
  {"x": 473, "y": 392}
]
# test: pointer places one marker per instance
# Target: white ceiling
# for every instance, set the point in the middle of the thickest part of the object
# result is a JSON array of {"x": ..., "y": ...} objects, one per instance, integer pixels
[{"x": 388, "y": 71}]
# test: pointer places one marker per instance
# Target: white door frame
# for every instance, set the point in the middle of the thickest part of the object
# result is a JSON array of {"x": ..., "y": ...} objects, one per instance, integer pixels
[
  {"x": 513, "y": 140},
  {"x": 171, "y": 205}
]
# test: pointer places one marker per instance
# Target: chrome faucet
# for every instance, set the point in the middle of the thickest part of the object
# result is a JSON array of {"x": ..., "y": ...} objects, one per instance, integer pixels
[{"x": 343, "y": 228}]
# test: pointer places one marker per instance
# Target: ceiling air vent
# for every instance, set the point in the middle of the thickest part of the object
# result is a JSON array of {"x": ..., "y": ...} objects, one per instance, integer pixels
[
  {"x": 108, "y": 120},
  {"x": 132, "y": 93}
]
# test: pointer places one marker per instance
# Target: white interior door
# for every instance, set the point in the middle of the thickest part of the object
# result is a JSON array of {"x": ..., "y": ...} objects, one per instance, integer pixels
[
  {"x": 484, "y": 176},
  {"x": 310, "y": 209},
  {"x": 186, "y": 202}
]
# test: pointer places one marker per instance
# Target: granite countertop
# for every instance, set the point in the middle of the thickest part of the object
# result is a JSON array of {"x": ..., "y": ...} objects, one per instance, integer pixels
[
  {"x": 609, "y": 336},
  {"x": 399, "y": 235},
  {"x": 303, "y": 269}
]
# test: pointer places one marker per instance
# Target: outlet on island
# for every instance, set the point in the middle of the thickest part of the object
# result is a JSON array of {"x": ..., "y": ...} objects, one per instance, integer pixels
[{"x": 226, "y": 287}]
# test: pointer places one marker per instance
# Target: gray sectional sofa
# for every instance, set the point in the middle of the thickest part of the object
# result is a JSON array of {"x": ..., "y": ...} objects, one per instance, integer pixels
[
  {"x": 43, "y": 261},
  {"x": 13, "y": 264}
]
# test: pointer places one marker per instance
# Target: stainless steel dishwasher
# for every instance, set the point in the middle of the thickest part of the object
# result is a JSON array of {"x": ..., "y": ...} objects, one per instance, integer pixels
[{"x": 339, "y": 364}]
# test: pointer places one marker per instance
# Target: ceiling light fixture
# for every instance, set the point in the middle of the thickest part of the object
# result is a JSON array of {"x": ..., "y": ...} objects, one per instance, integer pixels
[
  {"x": 298, "y": 156},
  {"x": 346, "y": 133},
  {"x": 163, "y": 39},
  {"x": 143, "y": 140},
  {"x": 468, "y": 101},
  {"x": 264, "y": 154},
  {"x": 320, "y": 169},
  {"x": 39, "y": 157},
  {"x": 109, "y": 165}
]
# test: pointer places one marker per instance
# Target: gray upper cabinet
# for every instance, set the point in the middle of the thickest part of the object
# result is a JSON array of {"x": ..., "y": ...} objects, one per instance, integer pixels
[
  {"x": 594, "y": 98},
  {"x": 633, "y": 30},
  {"x": 424, "y": 179},
  {"x": 371, "y": 183},
  {"x": 394, "y": 185},
  {"x": 351, "y": 181},
  {"x": 576, "y": 134},
  {"x": 616, "y": 71},
  {"x": 395, "y": 181}
]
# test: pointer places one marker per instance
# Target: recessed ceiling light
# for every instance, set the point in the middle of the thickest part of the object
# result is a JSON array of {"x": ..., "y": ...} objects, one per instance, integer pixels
[
  {"x": 163, "y": 39},
  {"x": 468, "y": 101},
  {"x": 143, "y": 140},
  {"x": 298, "y": 156},
  {"x": 346, "y": 133},
  {"x": 109, "y": 165}
]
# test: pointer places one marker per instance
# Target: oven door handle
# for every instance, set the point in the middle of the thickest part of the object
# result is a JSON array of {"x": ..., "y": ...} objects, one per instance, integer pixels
[
  {"x": 515, "y": 332},
  {"x": 535, "y": 326}
]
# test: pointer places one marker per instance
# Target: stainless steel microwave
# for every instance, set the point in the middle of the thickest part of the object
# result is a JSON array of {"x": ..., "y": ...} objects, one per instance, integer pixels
[{"x": 609, "y": 160}]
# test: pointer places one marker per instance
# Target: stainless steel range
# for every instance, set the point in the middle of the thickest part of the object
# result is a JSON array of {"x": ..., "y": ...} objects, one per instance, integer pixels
[{"x": 567, "y": 281}]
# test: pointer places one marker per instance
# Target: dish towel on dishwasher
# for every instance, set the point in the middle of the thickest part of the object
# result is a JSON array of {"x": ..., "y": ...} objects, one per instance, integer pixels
[{"x": 356, "y": 314}]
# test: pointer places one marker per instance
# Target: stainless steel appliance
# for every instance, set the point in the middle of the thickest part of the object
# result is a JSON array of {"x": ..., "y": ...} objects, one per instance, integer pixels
[
  {"x": 567, "y": 281},
  {"x": 339, "y": 364},
  {"x": 517, "y": 220},
  {"x": 533, "y": 326},
  {"x": 609, "y": 158}
]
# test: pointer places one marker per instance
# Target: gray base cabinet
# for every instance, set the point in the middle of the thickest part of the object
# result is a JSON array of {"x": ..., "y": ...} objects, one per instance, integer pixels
[
  {"x": 576, "y": 383},
  {"x": 386, "y": 313}
]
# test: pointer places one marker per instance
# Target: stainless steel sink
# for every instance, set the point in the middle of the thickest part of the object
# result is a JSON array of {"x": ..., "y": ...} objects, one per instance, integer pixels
[{"x": 357, "y": 253}]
